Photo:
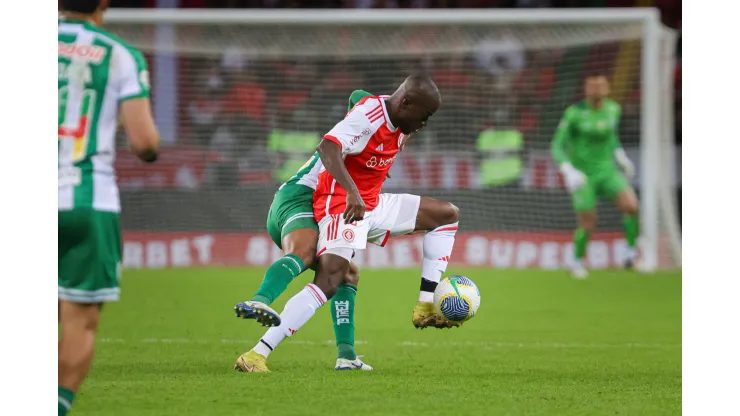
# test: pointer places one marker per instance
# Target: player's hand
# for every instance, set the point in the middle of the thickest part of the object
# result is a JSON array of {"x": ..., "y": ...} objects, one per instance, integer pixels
[
  {"x": 574, "y": 178},
  {"x": 624, "y": 163},
  {"x": 355, "y": 210}
]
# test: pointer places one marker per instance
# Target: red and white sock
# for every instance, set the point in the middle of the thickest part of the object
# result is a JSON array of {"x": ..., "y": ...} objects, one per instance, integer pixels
[
  {"x": 299, "y": 310},
  {"x": 438, "y": 245}
]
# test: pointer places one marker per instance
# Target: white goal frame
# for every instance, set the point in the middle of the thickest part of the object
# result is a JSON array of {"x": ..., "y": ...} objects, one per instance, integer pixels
[{"x": 654, "y": 198}]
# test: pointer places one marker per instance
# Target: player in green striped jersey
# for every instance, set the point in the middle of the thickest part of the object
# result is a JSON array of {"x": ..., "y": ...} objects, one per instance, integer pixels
[
  {"x": 99, "y": 76},
  {"x": 587, "y": 149}
]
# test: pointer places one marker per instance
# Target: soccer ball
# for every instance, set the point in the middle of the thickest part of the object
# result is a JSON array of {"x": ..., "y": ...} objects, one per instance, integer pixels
[{"x": 457, "y": 298}]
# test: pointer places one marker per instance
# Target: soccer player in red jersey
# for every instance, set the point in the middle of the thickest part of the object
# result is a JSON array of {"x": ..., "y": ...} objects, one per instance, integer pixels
[{"x": 357, "y": 155}]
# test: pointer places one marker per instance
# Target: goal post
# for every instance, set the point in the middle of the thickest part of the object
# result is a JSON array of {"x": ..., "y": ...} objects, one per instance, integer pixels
[{"x": 506, "y": 77}]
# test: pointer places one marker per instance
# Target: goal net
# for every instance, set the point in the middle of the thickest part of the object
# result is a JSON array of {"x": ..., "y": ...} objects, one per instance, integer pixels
[{"x": 242, "y": 101}]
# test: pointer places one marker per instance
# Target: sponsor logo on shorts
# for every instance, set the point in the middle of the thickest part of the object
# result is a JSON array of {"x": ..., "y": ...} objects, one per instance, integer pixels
[{"x": 348, "y": 235}]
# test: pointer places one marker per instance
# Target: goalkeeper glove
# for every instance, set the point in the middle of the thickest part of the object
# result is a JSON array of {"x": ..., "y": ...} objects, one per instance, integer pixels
[
  {"x": 574, "y": 178},
  {"x": 624, "y": 162}
]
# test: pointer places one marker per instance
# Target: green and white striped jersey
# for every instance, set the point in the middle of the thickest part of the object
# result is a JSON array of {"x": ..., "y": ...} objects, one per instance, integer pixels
[
  {"x": 308, "y": 174},
  {"x": 97, "y": 71}
]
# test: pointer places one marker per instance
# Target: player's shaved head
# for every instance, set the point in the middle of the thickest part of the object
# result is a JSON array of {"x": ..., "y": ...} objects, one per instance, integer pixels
[
  {"x": 415, "y": 100},
  {"x": 422, "y": 89}
]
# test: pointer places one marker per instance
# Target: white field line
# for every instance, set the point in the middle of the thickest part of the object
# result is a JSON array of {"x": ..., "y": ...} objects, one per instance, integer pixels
[{"x": 412, "y": 344}]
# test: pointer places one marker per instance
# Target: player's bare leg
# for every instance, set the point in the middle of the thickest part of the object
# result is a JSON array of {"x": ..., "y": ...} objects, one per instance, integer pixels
[
  {"x": 627, "y": 203},
  {"x": 79, "y": 324},
  {"x": 586, "y": 227},
  {"x": 343, "y": 318},
  {"x": 332, "y": 267},
  {"x": 439, "y": 219},
  {"x": 299, "y": 249}
]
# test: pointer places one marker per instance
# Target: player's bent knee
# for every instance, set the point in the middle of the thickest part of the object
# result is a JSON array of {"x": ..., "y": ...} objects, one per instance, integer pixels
[
  {"x": 302, "y": 244},
  {"x": 632, "y": 207},
  {"x": 306, "y": 254},
  {"x": 436, "y": 214},
  {"x": 333, "y": 267},
  {"x": 85, "y": 316},
  {"x": 587, "y": 222},
  {"x": 453, "y": 213},
  {"x": 353, "y": 275}
]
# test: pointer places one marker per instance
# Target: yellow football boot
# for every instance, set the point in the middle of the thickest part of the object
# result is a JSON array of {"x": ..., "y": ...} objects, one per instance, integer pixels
[
  {"x": 425, "y": 315},
  {"x": 251, "y": 362}
]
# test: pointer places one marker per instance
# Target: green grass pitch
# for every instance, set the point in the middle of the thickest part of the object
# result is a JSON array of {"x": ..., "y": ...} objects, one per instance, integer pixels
[{"x": 541, "y": 344}]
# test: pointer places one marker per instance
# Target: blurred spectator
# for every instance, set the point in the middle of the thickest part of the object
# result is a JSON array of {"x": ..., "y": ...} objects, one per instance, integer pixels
[
  {"x": 503, "y": 57},
  {"x": 205, "y": 110}
]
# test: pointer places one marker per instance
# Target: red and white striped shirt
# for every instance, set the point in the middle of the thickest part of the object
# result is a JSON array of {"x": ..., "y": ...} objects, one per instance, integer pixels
[{"x": 369, "y": 145}]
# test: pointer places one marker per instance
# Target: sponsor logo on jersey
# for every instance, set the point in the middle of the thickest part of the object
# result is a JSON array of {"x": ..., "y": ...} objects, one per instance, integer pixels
[
  {"x": 348, "y": 235},
  {"x": 379, "y": 162},
  {"x": 90, "y": 53},
  {"x": 364, "y": 133},
  {"x": 379, "y": 148}
]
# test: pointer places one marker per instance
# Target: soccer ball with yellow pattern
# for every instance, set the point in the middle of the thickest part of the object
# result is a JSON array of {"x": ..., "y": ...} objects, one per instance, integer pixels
[{"x": 457, "y": 298}]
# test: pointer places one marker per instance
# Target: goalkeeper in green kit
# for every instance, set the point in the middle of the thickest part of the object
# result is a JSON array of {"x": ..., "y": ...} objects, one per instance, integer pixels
[{"x": 587, "y": 149}]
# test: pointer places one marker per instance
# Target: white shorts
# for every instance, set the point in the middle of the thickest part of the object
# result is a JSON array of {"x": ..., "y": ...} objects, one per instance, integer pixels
[{"x": 394, "y": 215}]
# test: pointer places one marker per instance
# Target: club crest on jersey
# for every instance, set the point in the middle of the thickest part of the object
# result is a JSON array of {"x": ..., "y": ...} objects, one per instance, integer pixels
[
  {"x": 348, "y": 235},
  {"x": 90, "y": 53}
]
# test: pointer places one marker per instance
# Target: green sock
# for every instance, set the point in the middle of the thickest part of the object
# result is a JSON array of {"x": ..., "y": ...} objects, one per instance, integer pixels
[
  {"x": 343, "y": 317},
  {"x": 580, "y": 240},
  {"x": 278, "y": 277},
  {"x": 631, "y": 230},
  {"x": 66, "y": 397}
]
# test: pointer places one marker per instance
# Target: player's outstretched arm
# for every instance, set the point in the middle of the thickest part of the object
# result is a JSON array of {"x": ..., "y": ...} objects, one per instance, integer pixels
[
  {"x": 140, "y": 128},
  {"x": 331, "y": 157}
]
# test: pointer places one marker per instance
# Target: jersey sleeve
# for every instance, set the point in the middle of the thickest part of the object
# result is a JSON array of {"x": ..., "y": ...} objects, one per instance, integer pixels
[
  {"x": 133, "y": 74},
  {"x": 352, "y": 133},
  {"x": 562, "y": 137}
]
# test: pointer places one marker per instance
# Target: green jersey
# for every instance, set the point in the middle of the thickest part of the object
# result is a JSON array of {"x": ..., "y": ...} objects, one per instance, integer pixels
[
  {"x": 587, "y": 137},
  {"x": 97, "y": 71},
  {"x": 308, "y": 174}
]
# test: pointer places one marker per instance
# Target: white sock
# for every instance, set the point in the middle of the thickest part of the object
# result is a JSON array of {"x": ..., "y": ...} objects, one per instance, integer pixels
[
  {"x": 438, "y": 245},
  {"x": 299, "y": 309}
]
